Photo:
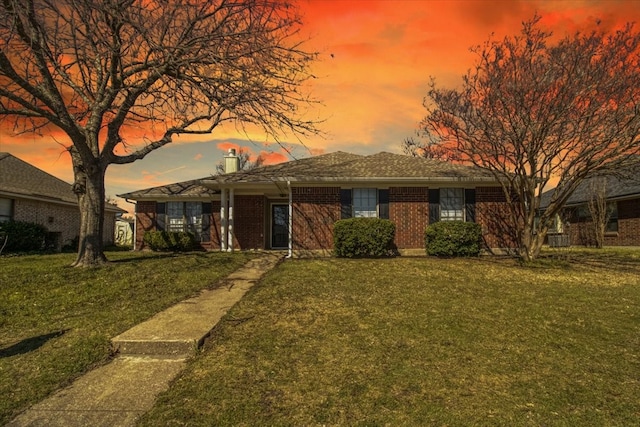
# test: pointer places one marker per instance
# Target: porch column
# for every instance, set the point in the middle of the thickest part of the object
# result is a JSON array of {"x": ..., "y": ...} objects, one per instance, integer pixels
[
  {"x": 230, "y": 221},
  {"x": 290, "y": 225},
  {"x": 223, "y": 219}
]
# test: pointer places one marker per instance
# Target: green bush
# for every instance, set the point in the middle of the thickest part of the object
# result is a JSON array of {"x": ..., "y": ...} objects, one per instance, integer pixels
[
  {"x": 364, "y": 237},
  {"x": 453, "y": 238},
  {"x": 170, "y": 241},
  {"x": 22, "y": 236}
]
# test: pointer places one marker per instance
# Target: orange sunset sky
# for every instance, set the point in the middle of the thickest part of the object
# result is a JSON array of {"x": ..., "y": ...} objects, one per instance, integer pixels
[{"x": 376, "y": 58}]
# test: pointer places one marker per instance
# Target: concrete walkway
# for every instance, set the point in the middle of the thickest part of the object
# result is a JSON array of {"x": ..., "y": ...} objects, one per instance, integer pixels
[{"x": 150, "y": 355}]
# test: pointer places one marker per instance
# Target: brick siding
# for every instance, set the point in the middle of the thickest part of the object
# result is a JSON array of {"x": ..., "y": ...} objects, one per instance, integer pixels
[
  {"x": 409, "y": 210},
  {"x": 63, "y": 220},
  {"x": 495, "y": 217},
  {"x": 315, "y": 210}
]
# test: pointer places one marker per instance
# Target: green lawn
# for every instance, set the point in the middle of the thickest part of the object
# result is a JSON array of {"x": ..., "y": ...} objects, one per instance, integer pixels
[
  {"x": 56, "y": 322},
  {"x": 420, "y": 341}
]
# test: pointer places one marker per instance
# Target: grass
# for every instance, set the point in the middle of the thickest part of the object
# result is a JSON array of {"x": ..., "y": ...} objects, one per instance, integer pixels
[
  {"x": 56, "y": 322},
  {"x": 422, "y": 341}
]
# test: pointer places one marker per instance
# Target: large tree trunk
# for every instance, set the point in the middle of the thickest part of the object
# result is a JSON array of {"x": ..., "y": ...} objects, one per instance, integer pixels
[{"x": 89, "y": 187}]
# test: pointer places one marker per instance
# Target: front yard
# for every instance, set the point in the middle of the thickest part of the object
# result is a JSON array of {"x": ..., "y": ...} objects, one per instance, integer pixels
[
  {"x": 417, "y": 341},
  {"x": 405, "y": 341},
  {"x": 56, "y": 322}
]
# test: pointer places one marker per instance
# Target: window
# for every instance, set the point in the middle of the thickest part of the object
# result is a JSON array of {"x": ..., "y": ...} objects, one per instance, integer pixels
[
  {"x": 452, "y": 204},
  {"x": 365, "y": 202},
  {"x": 6, "y": 209},
  {"x": 612, "y": 224},
  {"x": 191, "y": 217}
]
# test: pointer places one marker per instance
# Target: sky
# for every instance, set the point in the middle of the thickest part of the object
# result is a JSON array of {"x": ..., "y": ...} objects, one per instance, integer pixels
[{"x": 375, "y": 61}]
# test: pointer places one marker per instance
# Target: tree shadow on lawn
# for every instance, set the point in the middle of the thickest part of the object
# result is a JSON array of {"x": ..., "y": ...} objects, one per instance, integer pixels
[{"x": 30, "y": 344}]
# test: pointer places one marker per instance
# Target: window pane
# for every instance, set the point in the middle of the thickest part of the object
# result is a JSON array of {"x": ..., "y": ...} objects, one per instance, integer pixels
[
  {"x": 452, "y": 204},
  {"x": 194, "y": 218},
  {"x": 175, "y": 216},
  {"x": 6, "y": 206},
  {"x": 365, "y": 202}
]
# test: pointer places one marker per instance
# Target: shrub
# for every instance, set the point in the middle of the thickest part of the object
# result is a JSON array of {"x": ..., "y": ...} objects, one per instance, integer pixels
[
  {"x": 170, "y": 241},
  {"x": 453, "y": 238},
  {"x": 364, "y": 237},
  {"x": 22, "y": 236}
]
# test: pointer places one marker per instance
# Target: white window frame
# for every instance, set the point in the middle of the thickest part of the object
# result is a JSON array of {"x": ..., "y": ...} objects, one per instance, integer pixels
[
  {"x": 365, "y": 202},
  {"x": 452, "y": 204},
  {"x": 184, "y": 217}
]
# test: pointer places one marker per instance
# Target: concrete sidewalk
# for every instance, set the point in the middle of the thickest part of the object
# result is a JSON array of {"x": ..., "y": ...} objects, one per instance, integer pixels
[{"x": 150, "y": 355}]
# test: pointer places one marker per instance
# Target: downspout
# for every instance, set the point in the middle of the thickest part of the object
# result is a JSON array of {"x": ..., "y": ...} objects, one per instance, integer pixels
[
  {"x": 290, "y": 225},
  {"x": 230, "y": 220},
  {"x": 135, "y": 225},
  {"x": 223, "y": 219}
]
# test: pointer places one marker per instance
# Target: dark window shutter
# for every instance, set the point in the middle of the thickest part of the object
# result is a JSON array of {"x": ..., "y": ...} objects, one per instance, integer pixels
[
  {"x": 434, "y": 205},
  {"x": 161, "y": 212},
  {"x": 383, "y": 204},
  {"x": 207, "y": 209},
  {"x": 345, "y": 203},
  {"x": 470, "y": 204}
]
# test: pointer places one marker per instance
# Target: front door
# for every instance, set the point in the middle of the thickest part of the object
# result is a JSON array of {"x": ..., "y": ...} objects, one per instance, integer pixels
[{"x": 279, "y": 226}]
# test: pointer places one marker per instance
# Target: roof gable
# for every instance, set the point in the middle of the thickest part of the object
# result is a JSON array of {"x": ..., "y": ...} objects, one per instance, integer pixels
[
  {"x": 19, "y": 177},
  {"x": 625, "y": 183}
]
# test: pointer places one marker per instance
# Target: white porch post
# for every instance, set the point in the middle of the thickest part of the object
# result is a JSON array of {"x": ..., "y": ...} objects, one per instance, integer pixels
[
  {"x": 223, "y": 219},
  {"x": 230, "y": 221},
  {"x": 290, "y": 225}
]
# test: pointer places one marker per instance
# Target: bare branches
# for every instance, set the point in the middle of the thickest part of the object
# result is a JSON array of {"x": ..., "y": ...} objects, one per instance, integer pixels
[
  {"x": 86, "y": 66},
  {"x": 533, "y": 112}
]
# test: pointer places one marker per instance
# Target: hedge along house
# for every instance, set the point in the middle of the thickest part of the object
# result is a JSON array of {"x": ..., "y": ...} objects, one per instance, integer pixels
[{"x": 294, "y": 205}]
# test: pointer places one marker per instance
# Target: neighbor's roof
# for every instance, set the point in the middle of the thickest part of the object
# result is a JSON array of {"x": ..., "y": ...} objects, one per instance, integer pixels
[
  {"x": 20, "y": 179},
  {"x": 336, "y": 166},
  {"x": 625, "y": 184}
]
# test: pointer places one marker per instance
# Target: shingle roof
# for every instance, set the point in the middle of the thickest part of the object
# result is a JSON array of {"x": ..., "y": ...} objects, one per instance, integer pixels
[
  {"x": 332, "y": 166},
  {"x": 346, "y": 166},
  {"x": 19, "y": 178},
  {"x": 626, "y": 183}
]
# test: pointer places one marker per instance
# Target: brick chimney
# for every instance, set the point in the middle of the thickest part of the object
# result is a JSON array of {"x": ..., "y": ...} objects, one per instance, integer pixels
[{"x": 231, "y": 161}]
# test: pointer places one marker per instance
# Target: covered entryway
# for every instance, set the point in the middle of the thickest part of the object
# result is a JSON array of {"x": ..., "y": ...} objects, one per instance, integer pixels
[{"x": 279, "y": 226}]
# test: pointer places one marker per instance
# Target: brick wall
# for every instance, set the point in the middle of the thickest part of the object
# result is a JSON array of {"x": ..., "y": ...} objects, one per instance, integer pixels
[
  {"x": 315, "y": 210},
  {"x": 409, "y": 210},
  {"x": 145, "y": 221},
  {"x": 63, "y": 219},
  {"x": 248, "y": 222},
  {"x": 493, "y": 214}
]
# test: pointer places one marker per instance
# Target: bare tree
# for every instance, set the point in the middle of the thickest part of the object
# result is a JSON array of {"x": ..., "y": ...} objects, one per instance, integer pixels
[
  {"x": 428, "y": 149},
  {"x": 599, "y": 209},
  {"x": 532, "y": 110},
  {"x": 122, "y": 78}
]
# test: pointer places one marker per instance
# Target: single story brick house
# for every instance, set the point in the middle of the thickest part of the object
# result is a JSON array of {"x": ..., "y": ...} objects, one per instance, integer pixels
[
  {"x": 294, "y": 205},
  {"x": 32, "y": 195},
  {"x": 622, "y": 193}
]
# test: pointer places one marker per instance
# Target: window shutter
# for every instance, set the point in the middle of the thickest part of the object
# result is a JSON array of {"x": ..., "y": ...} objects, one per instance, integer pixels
[
  {"x": 470, "y": 204},
  {"x": 161, "y": 211},
  {"x": 345, "y": 203},
  {"x": 383, "y": 204},
  {"x": 434, "y": 205},
  {"x": 207, "y": 210}
]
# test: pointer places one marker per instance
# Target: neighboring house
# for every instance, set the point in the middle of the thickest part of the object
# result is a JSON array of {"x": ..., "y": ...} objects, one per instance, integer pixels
[
  {"x": 294, "y": 205},
  {"x": 32, "y": 195},
  {"x": 622, "y": 192}
]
